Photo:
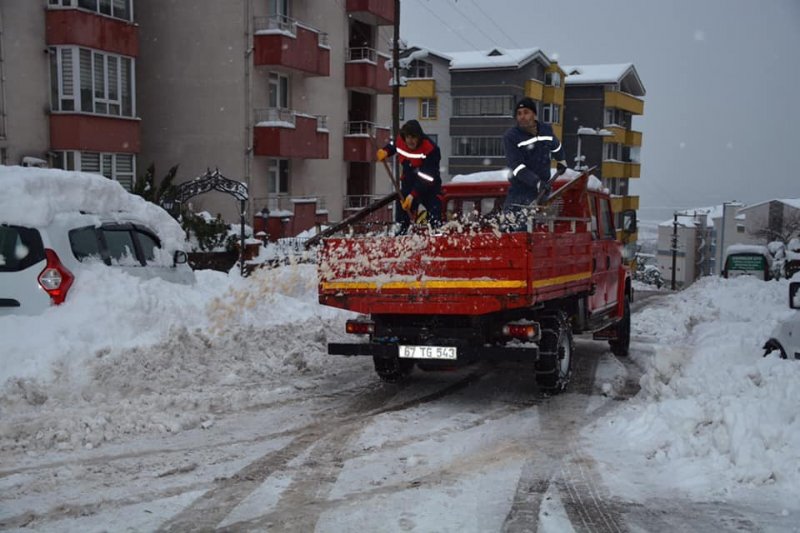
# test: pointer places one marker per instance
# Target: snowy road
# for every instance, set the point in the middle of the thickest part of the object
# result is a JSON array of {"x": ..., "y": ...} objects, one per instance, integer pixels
[{"x": 477, "y": 449}]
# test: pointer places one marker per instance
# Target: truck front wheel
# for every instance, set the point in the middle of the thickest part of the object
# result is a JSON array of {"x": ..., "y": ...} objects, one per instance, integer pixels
[
  {"x": 554, "y": 367},
  {"x": 392, "y": 369}
]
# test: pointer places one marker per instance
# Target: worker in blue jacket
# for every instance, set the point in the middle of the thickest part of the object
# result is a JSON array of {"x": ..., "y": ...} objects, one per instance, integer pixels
[{"x": 529, "y": 146}]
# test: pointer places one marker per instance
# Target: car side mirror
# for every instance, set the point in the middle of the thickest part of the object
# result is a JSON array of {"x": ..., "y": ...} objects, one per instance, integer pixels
[
  {"x": 794, "y": 295},
  {"x": 629, "y": 221},
  {"x": 180, "y": 257}
]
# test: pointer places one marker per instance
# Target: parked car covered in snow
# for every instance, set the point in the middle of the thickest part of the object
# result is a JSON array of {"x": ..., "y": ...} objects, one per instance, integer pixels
[
  {"x": 747, "y": 260},
  {"x": 54, "y": 223},
  {"x": 785, "y": 339}
]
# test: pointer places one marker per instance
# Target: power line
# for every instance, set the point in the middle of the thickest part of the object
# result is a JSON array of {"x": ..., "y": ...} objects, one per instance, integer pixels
[
  {"x": 496, "y": 25},
  {"x": 446, "y": 25}
]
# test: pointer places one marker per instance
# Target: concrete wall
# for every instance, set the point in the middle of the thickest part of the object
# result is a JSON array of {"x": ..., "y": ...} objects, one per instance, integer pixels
[{"x": 25, "y": 84}]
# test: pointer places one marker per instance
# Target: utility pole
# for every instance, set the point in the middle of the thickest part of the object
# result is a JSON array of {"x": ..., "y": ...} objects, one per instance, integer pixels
[
  {"x": 396, "y": 80},
  {"x": 674, "y": 247},
  {"x": 721, "y": 243}
]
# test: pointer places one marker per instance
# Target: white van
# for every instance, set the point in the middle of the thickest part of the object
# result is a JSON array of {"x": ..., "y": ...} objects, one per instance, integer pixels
[
  {"x": 53, "y": 223},
  {"x": 785, "y": 339}
]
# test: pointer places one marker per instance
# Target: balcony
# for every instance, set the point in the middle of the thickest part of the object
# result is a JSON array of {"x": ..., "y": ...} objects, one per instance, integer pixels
[
  {"x": 362, "y": 140},
  {"x": 621, "y": 203},
  {"x": 81, "y": 28},
  {"x": 365, "y": 71},
  {"x": 286, "y": 43},
  {"x": 288, "y": 134},
  {"x": 553, "y": 95},
  {"x": 94, "y": 133},
  {"x": 623, "y": 136},
  {"x": 419, "y": 89},
  {"x": 534, "y": 89},
  {"x": 619, "y": 169},
  {"x": 372, "y": 12},
  {"x": 624, "y": 101}
]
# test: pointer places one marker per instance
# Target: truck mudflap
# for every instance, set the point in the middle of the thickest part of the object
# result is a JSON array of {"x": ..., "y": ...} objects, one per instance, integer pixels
[{"x": 465, "y": 353}]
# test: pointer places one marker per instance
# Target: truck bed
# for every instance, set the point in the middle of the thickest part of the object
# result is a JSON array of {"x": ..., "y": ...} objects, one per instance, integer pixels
[{"x": 453, "y": 272}]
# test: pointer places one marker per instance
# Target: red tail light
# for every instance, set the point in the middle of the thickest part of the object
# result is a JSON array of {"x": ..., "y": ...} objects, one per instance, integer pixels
[
  {"x": 528, "y": 331},
  {"x": 360, "y": 327},
  {"x": 55, "y": 279}
]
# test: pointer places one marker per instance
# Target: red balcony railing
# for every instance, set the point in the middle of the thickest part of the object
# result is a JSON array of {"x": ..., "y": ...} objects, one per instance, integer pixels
[
  {"x": 80, "y": 28},
  {"x": 284, "y": 42},
  {"x": 94, "y": 133},
  {"x": 362, "y": 139},
  {"x": 365, "y": 70},
  {"x": 286, "y": 133},
  {"x": 372, "y": 12}
]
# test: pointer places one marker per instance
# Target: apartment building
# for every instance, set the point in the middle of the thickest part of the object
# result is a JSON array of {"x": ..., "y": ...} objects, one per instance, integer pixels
[
  {"x": 288, "y": 96},
  {"x": 68, "y": 86},
  {"x": 425, "y": 97},
  {"x": 601, "y": 102},
  {"x": 485, "y": 85}
]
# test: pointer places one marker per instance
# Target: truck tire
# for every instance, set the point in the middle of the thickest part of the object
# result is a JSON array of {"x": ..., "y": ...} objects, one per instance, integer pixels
[
  {"x": 622, "y": 344},
  {"x": 392, "y": 369},
  {"x": 554, "y": 367}
]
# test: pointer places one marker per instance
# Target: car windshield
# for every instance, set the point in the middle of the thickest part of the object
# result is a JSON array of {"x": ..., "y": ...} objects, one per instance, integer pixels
[{"x": 19, "y": 248}]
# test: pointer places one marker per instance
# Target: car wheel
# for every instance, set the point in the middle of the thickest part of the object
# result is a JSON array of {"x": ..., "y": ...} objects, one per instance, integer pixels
[{"x": 771, "y": 346}]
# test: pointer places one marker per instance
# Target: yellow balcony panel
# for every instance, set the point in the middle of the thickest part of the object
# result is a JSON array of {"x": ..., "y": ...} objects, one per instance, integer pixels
[
  {"x": 553, "y": 95},
  {"x": 633, "y": 138},
  {"x": 419, "y": 89},
  {"x": 624, "y": 101},
  {"x": 534, "y": 89},
  {"x": 618, "y": 169},
  {"x": 618, "y": 137},
  {"x": 621, "y": 203}
]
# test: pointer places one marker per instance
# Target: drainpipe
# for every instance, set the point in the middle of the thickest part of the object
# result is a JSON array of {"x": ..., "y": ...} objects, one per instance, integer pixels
[{"x": 248, "y": 101}]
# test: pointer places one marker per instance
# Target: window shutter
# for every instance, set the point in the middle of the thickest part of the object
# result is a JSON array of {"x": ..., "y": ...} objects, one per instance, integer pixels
[{"x": 86, "y": 81}]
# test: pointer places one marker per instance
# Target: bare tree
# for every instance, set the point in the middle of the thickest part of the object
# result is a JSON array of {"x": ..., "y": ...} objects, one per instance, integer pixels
[{"x": 784, "y": 232}]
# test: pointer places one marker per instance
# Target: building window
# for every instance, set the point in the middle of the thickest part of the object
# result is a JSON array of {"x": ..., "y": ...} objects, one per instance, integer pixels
[
  {"x": 117, "y": 167},
  {"x": 278, "y": 176},
  {"x": 552, "y": 79},
  {"x": 87, "y": 81},
  {"x": 428, "y": 108},
  {"x": 612, "y": 151},
  {"x": 120, "y": 9},
  {"x": 419, "y": 69},
  {"x": 478, "y": 147},
  {"x": 278, "y": 91},
  {"x": 402, "y": 109},
  {"x": 483, "y": 106},
  {"x": 551, "y": 113},
  {"x": 433, "y": 137}
]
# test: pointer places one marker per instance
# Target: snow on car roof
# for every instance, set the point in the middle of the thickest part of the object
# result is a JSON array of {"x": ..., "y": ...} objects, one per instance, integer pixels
[{"x": 34, "y": 197}]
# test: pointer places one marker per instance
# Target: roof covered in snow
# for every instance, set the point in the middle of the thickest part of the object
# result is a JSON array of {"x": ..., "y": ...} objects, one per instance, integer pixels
[
  {"x": 791, "y": 202},
  {"x": 623, "y": 74},
  {"x": 496, "y": 58}
]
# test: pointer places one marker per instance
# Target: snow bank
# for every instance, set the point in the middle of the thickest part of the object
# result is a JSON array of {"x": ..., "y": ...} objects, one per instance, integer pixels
[{"x": 713, "y": 414}]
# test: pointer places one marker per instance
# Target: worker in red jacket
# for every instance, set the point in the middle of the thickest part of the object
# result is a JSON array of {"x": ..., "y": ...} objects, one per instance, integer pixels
[{"x": 420, "y": 182}]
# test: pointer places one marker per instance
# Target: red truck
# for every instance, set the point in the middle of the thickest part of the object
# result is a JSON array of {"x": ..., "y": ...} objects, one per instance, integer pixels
[{"x": 470, "y": 290}]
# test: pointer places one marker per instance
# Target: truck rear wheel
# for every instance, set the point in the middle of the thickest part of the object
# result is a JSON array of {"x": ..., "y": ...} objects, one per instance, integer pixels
[
  {"x": 554, "y": 367},
  {"x": 392, "y": 369},
  {"x": 621, "y": 345}
]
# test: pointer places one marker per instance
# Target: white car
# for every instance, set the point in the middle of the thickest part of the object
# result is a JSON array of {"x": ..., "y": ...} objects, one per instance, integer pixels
[
  {"x": 785, "y": 338},
  {"x": 54, "y": 223}
]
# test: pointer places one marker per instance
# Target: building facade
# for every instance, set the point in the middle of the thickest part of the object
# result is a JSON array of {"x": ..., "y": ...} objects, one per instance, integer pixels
[
  {"x": 73, "y": 106},
  {"x": 288, "y": 96},
  {"x": 601, "y": 102}
]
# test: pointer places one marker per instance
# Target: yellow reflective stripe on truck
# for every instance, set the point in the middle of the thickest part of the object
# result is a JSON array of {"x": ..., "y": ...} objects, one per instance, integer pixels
[
  {"x": 430, "y": 284},
  {"x": 453, "y": 284},
  {"x": 561, "y": 279}
]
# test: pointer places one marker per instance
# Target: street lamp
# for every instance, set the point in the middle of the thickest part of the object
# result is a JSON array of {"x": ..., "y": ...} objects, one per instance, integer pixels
[{"x": 595, "y": 132}]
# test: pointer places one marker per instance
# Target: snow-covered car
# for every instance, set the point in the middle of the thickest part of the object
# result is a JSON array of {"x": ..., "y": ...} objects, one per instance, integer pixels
[
  {"x": 785, "y": 339},
  {"x": 53, "y": 224}
]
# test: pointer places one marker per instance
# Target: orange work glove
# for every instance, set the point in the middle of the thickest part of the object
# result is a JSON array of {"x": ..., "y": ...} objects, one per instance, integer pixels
[
  {"x": 381, "y": 154},
  {"x": 422, "y": 215},
  {"x": 407, "y": 201}
]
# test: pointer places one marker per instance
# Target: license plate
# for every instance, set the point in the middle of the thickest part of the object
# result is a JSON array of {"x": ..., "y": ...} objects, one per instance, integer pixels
[{"x": 428, "y": 352}]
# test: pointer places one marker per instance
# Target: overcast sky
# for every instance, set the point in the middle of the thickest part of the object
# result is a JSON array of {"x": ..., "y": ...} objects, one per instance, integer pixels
[{"x": 722, "y": 111}]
